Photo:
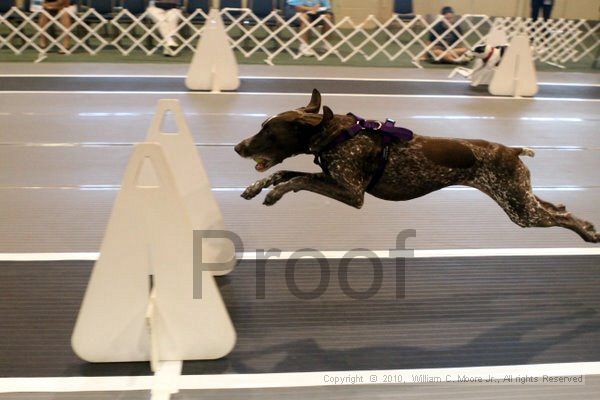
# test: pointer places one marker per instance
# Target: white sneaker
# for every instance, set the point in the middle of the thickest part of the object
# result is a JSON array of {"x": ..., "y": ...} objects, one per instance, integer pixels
[
  {"x": 168, "y": 51},
  {"x": 325, "y": 46},
  {"x": 41, "y": 57},
  {"x": 306, "y": 51}
]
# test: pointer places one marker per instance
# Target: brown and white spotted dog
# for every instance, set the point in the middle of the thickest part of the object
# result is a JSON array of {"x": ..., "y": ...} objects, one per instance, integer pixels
[{"x": 414, "y": 168}]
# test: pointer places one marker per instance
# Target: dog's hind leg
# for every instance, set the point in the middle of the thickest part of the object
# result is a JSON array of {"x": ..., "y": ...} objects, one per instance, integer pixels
[
  {"x": 274, "y": 179},
  {"x": 554, "y": 207},
  {"x": 511, "y": 189}
]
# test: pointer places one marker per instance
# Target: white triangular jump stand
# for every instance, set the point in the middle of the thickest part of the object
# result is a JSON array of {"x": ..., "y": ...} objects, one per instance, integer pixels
[
  {"x": 515, "y": 76},
  {"x": 192, "y": 183},
  {"x": 213, "y": 66},
  {"x": 139, "y": 304},
  {"x": 496, "y": 37}
]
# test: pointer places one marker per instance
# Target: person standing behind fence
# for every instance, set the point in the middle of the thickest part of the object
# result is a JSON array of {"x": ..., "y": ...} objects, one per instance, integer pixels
[
  {"x": 54, "y": 7},
  {"x": 166, "y": 14},
  {"x": 310, "y": 11},
  {"x": 544, "y": 5},
  {"x": 447, "y": 38}
]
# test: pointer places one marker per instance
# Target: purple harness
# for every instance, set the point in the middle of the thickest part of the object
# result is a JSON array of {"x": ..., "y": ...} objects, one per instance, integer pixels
[{"x": 389, "y": 134}]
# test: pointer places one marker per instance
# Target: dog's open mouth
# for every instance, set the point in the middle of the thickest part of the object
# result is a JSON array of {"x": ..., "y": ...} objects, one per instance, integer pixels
[{"x": 263, "y": 164}]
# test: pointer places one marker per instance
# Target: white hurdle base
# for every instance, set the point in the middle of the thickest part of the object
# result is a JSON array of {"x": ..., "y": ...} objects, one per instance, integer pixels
[
  {"x": 515, "y": 76},
  {"x": 145, "y": 277},
  {"x": 214, "y": 66},
  {"x": 142, "y": 301}
]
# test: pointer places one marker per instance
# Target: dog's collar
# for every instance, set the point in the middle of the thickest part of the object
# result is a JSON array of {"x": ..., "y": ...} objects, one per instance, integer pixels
[
  {"x": 389, "y": 133},
  {"x": 487, "y": 58}
]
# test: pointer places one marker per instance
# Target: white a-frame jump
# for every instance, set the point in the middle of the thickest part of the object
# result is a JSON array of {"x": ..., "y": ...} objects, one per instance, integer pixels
[
  {"x": 496, "y": 37},
  {"x": 213, "y": 66},
  {"x": 515, "y": 76},
  {"x": 139, "y": 304},
  {"x": 192, "y": 183}
]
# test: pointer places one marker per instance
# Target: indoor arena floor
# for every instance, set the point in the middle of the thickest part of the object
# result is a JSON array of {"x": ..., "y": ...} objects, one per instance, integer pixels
[{"x": 495, "y": 294}]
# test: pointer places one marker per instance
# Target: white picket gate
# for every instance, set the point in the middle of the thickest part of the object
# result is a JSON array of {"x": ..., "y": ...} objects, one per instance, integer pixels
[{"x": 556, "y": 41}]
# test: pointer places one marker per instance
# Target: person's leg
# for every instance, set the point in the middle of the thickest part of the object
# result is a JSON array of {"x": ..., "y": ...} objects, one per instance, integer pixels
[
  {"x": 547, "y": 11},
  {"x": 65, "y": 20},
  {"x": 43, "y": 21},
  {"x": 172, "y": 21},
  {"x": 450, "y": 56},
  {"x": 436, "y": 53},
  {"x": 304, "y": 22},
  {"x": 326, "y": 23},
  {"x": 535, "y": 8},
  {"x": 459, "y": 55},
  {"x": 158, "y": 15},
  {"x": 326, "y": 27},
  {"x": 459, "y": 51}
]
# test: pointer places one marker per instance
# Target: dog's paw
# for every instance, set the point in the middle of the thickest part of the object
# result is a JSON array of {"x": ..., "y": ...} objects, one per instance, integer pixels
[
  {"x": 591, "y": 237},
  {"x": 273, "y": 197},
  {"x": 252, "y": 191}
]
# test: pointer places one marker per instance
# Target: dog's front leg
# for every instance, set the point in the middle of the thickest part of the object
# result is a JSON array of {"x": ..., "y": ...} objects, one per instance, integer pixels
[
  {"x": 316, "y": 183},
  {"x": 274, "y": 179}
]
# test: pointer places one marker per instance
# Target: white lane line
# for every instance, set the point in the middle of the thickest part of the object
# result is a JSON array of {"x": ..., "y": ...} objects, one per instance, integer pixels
[
  {"x": 91, "y": 76},
  {"x": 461, "y": 81},
  {"x": 339, "y": 254},
  {"x": 301, "y": 379},
  {"x": 423, "y": 96},
  {"x": 297, "y": 78},
  {"x": 241, "y": 189},
  {"x": 226, "y": 144}
]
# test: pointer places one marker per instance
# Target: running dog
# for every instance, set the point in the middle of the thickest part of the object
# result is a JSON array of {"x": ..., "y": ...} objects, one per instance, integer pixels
[{"x": 398, "y": 170}]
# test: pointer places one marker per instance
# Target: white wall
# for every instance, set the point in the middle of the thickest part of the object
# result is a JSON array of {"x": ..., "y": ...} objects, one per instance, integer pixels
[{"x": 359, "y": 9}]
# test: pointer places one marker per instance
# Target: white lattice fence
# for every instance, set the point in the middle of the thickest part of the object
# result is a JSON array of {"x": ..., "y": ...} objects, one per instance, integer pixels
[{"x": 556, "y": 41}]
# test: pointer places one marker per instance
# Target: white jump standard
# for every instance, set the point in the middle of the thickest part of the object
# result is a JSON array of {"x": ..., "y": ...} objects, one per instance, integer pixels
[{"x": 146, "y": 300}]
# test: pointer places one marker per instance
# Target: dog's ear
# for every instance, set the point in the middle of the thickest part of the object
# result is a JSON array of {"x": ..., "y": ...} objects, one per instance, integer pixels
[
  {"x": 479, "y": 49},
  {"x": 315, "y": 103},
  {"x": 327, "y": 116},
  {"x": 324, "y": 136}
]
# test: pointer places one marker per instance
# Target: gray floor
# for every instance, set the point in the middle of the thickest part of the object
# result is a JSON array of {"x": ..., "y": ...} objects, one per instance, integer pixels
[
  {"x": 55, "y": 147},
  {"x": 62, "y": 155}
]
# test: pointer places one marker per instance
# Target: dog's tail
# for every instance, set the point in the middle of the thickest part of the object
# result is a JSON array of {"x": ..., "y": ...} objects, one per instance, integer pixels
[{"x": 526, "y": 152}]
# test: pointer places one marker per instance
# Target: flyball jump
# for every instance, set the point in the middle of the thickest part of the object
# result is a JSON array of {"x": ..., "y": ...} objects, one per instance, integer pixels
[{"x": 393, "y": 164}]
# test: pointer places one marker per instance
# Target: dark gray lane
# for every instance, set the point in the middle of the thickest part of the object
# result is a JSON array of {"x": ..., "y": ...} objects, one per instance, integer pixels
[
  {"x": 162, "y": 84},
  {"x": 449, "y": 391},
  {"x": 430, "y": 313}
]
